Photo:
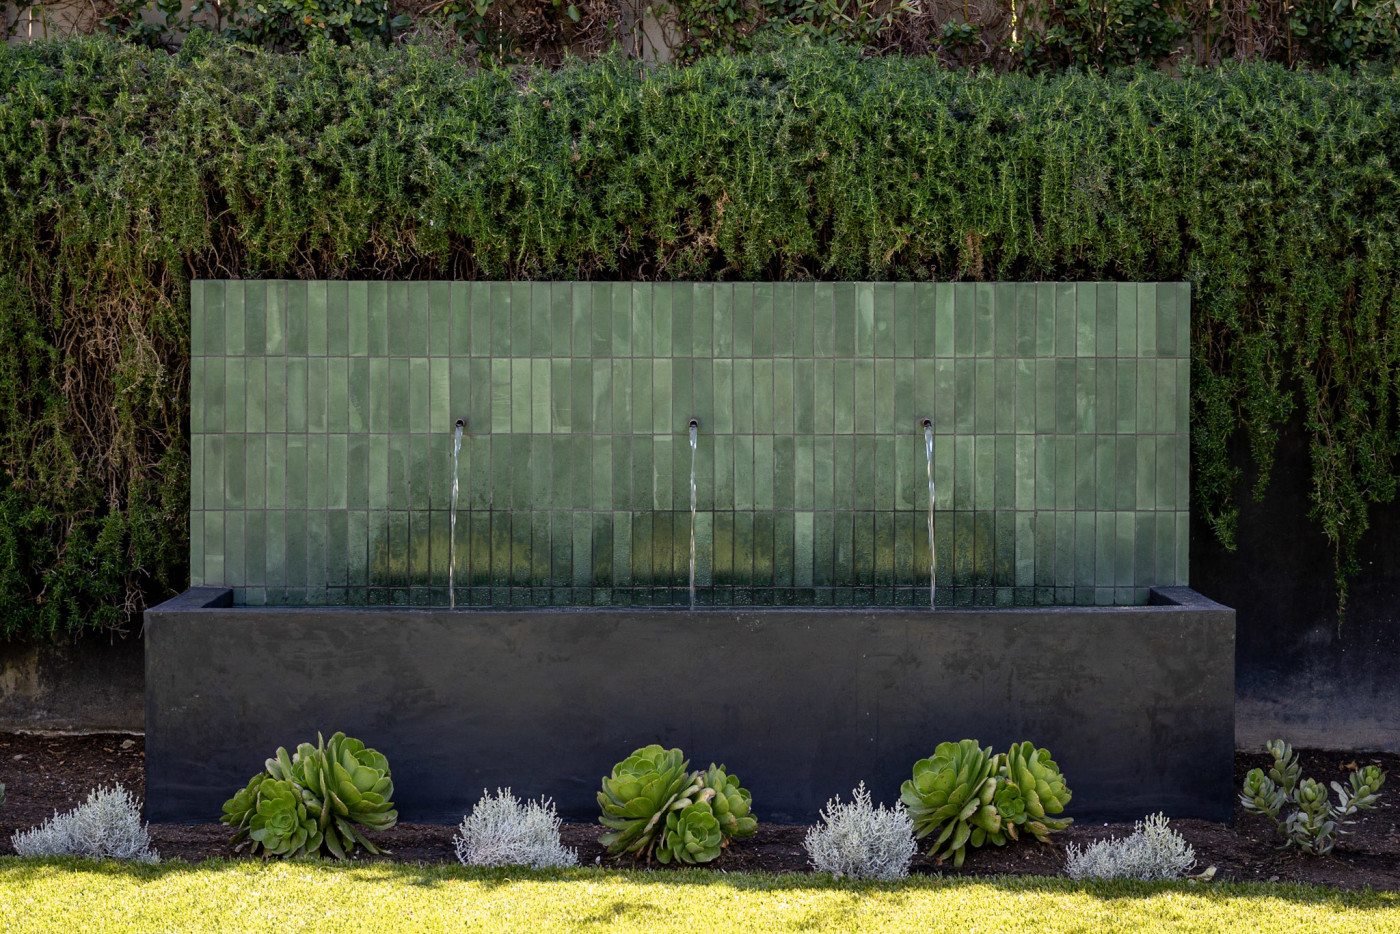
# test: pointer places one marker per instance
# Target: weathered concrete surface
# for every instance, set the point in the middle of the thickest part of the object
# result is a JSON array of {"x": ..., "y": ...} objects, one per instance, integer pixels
[
  {"x": 93, "y": 682},
  {"x": 1136, "y": 703},
  {"x": 1301, "y": 675}
]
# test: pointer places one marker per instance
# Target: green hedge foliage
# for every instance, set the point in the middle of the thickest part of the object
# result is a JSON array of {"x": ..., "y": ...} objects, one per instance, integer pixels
[{"x": 126, "y": 172}]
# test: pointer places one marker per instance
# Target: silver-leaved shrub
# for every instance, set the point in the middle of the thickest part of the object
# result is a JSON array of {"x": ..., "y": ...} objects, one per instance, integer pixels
[
  {"x": 1151, "y": 852},
  {"x": 106, "y": 826},
  {"x": 503, "y": 831},
  {"x": 860, "y": 840}
]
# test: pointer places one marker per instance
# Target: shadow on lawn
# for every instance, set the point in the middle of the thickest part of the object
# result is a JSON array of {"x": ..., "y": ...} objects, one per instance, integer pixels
[{"x": 16, "y": 871}]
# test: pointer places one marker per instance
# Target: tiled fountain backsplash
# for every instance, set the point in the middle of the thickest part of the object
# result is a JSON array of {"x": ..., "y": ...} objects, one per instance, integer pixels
[{"x": 322, "y": 419}]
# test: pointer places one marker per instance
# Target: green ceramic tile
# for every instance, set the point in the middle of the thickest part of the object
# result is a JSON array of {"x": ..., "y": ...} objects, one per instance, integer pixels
[
  {"x": 844, "y": 318},
  {"x": 518, "y": 315},
  {"x": 933, "y": 329},
  {"x": 368, "y": 313},
  {"x": 317, "y": 457},
  {"x": 1183, "y": 322},
  {"x": 317, "y": 387},
  {"x": 602, "y": 473},
  {"x": 276, "y": 471},
  {"x": 255, "y": 549},
  {"x": 619, "y": 296},
  {"x": 1066, "y": 319},
  {"x": 1024, "y": 549},
  {"x": 823, "y": 321},
  {"x": 964, "y": 319},
  {"x": 662, "y": 384},
  {"x": 294, "y": 305},
  {"x": 1066, "y": 477},
  {"x": 400, "y": 463},
  {"x": 682, "y": 393},
  {"x": 1164, "y": 494},
  {"x": 621, "y": 384},
  {"x": 1182, "y": 451},
  {"x": 1004, "y": 489},
  {"x": 1166, "y": 319},
  {"x": 1183, "y": 395},
  {"x": 296, "y": 387},
  {"x": 521, "y": 395},
  {"x": 643, "y": 405},
  {"x": 1106, "y": 321},
  {"x": 804, "y": 307},
  {"x": 1046, "y": 398},
  {"x": 944, "y": 391},
  {"x": 357, "y": 471},
  {"x": 1166, "y": 394},
  {"x": 1066, "y": 396},
  {"x": 964, "y": 401},
  {"x": 316, "y": 324},
  {"x": 1146, "y": 496},
  {"x": 1085, "y": 472},
  {"x": 1086, "y": 379},
  {"x": 378, "y": 474},
  {"x": 1023, "y": 472},
  {"x": 1147, "y": 396},
  {"x": 1046, "y": 328},
  {"x": 600, "y": 304},
  {"x": 985, "y": 407},
  {"x": 964, "y": 468},
  {"x": 337, "y": 406},
  {"x": 233, "y": 470},
  {"x": 214, "y": 394},
  {"x": 235, "y": 394},
  {"x": 662, "y": 320},
  {"x": 296, "y": 472},
  {"x": 1144, "y": 549},
  {"x": 1086, "y": 319},
  {"x": 1005, "y": 331},
  {"x": 456, "y": 320},
  {"x": 1147, "y": 320},
  {"x": 254, "y": 318},
  {"x": 538, "y": 384},
  {"x": 984, "y": 469},
  {"x": 764, "y": 474},
  {"x": 1045, "y": 462},
  {"x": 984, "y": 340},
  {"x": 441, "y": 416},
  {"x": 421, "y": 470}
]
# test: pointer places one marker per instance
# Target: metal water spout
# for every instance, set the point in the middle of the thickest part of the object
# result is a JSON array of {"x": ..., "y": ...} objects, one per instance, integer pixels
[
  {"x": 452, "y": 534},
  {"x": 932, "y": 551},
  {"x": 694, "y": 433}
]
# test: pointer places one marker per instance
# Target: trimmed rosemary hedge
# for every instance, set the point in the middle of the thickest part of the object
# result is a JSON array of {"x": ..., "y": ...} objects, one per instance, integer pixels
[{"x": 126, "y": 172}]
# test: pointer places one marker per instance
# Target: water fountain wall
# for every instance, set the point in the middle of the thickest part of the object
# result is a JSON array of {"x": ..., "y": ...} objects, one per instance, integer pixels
[
  {"x": 323, "y": 425},
  {"x": 323, "y": 413}
]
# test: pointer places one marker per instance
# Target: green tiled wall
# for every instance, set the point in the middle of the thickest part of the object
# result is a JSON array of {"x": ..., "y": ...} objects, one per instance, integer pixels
[{"x": 322, "y": 415}]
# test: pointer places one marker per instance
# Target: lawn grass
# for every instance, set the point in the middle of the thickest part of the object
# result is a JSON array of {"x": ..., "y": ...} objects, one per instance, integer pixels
[{"x": 222, "y": 897}]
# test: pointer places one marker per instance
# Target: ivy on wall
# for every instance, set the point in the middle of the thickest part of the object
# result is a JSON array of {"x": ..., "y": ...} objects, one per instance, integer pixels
[{"x": 125, "y": 172}]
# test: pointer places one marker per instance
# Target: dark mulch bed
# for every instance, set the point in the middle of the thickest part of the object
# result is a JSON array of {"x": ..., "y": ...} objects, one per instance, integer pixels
[{"x": 47, "y": 773}]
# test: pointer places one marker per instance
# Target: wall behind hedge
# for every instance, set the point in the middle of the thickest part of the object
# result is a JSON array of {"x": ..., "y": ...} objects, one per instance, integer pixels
[{"x": 127, "y": 172}]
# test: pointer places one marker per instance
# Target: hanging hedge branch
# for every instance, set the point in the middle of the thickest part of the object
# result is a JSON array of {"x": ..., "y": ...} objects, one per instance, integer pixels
[{"x": 126, "y": 172}]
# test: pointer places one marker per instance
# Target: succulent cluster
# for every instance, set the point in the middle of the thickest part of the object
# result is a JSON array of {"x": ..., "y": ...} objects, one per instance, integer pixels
[
  {"x": 315, "y": 800},
  {"x": 1314, "y": 823},
  {"x": 970, "y": 796},
  {"x": 654, "y": 806}
]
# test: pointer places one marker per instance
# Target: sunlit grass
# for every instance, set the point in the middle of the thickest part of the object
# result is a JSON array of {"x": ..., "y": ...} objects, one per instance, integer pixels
[{"x": 222, "y": 897}]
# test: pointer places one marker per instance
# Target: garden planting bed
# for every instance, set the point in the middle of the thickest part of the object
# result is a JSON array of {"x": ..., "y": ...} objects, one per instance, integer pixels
[{"x": 47, "y": 773}]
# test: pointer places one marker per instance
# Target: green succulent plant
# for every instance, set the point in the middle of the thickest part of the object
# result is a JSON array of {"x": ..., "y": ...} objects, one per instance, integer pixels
[
  {"x": 730, "y": 803},
  {"x": 692, "y": 835},
  {"x": 636, "y": 798},
  {"x": 653, "y": 806},
  {"x": 1315, "y": 823},
  {"x": 971, "y": 797},
  {"x": 316, "y": 799},
  {"x": 952, "y": 793},
  {"x": 1031, "y": 789}
]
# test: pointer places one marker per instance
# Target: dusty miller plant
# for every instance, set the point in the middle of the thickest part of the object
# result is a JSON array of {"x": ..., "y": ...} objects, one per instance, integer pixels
[
  {"x": 503, "y": 831},
  {"x": 1302, "y": 810},
  {"x": 1153, "y": 851},
  {"x": 106, "y": 826},
  {"x": 860, "y": 840}
]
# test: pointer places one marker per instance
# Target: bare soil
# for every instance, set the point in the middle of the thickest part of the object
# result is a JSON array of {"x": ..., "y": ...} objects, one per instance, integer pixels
[{"x": 43, "y": 774}]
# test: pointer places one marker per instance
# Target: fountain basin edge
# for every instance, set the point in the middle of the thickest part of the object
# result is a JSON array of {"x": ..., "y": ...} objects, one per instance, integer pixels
[{"x": 1135, "y": 702}]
